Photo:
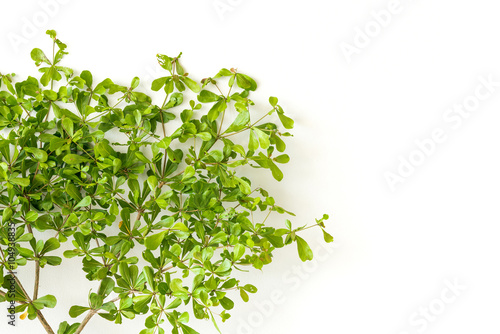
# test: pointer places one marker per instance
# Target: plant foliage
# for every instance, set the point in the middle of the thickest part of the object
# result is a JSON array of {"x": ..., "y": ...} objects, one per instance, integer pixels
[{"x": 95, "y": 163}]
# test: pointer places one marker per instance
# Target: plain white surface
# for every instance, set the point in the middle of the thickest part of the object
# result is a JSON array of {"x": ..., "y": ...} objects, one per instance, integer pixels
[{"x": 396, "y": 252}]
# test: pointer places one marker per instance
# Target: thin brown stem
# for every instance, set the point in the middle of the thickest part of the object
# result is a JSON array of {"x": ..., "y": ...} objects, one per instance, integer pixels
[
  {"x": 37, "y": 279},
  {"x": 85, "y": 321}
]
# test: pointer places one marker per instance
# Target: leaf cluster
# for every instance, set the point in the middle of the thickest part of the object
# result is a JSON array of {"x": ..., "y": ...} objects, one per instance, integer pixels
[{"x": 99, "y": 165}]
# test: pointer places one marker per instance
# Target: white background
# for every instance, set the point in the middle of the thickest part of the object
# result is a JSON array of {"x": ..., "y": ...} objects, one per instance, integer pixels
[{"x": 394, "y": 250}]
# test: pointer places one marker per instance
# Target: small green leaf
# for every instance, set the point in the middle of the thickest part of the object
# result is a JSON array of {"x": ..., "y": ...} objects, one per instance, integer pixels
[
  {"x": 206, "y": 96},
  {"x": 305, "y": 252},
  {"x": 188, "y": 172},
  {"x": 226, "y": 303},
  {"x": 50, "y": 245},
  {"x": 216, "y": 109},
  {"x": 243, "y": 185},
  {"x": 87, "y": 77},
  {"x": 286, "y": 121},
  {"x": 240, "y": 122},
  {"x": 75, "y": 310},
  {"x": 253, "y": 143},
  {"x": 244, "y": 295},
  {"x": 277, "y": 173},
  {"x": 75, "y": 159},
  {"x": 106, "y": 286},
  {"x": 273, "y": 101},
  {"x": 192, "y": 84},
  {"x": 23, "y": 182},
  {"x": 152, "y": 182},
  {"x": 263, "y": 138},
  {"x": 135, "y": 83},
  {"x": 84, "y": 202},
  {"x": 39, "y": 57},
  {"x": 205, "y": 136},
  {"x": 40, "y": 155},
  {"x": 282, "y": 159},
  {"x": 67, "y": 124},
  {"x": 31, "y": 216},
  {"x": 48, "y": 301},
  {"x": 250, "y": 288},
  {"x": 238, "y": 252},
  {"x": 153, "y": 241},
  {"x": 158, "y": 83},
  {"x": 327, "y": 237},
  {"x": 245, "y": 82}
]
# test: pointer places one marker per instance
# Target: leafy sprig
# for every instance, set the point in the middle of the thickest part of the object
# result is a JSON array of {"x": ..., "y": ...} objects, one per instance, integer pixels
[{"x": 94, "y": 163}]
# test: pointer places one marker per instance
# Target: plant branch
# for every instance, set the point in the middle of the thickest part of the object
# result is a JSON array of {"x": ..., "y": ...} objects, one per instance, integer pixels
[
  {"x": 37, "y": 279},
  {"x": 39, "y": 314},
  {"x": 85, "y": 321}
]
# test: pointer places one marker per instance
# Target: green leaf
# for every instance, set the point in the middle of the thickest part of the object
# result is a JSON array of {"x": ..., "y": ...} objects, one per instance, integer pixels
[
  {"x": 75, "y": 159},
  {"x": 263, "y": 138},
  {"x": 84, "y": 202},
  {"x": 149, "y": 275},
  {"x": 73, "y": 191},
  {"x": 67, "y": 124},
  {"x": 243, "y": 185},
  {"x": 240, "y": 122},
  {"x": 225, "y": 266},
  {"x": 75, "y": 310},
  {"x": 305, "y": 252},
  {"x": 244, "y": 295},
  {"x": 158, "y": 83},
  {"x": 31, "y": 216},
  {"x": 238, "y": 252},
  {"x": 152, "y": 182},
  {"x": 142, "y": 157},
  {"x": 277, "y": 173},
  {"x": 187, "y": 330},
  {"x": 250, "y": 288},
  {"x": 40, "y": 155},
  {"x": 39, "y": 57},
  {"x": 286, "y": 121},
  {"x": 253, "y": 143},
  {"x": 191, "y": 84},
  {"x": 135, "y": 83},
  {"x": 216, "y": 109},
  {"x": 48, "y": 301},
  {"x": 106, "y": 286},
  {"x": 206, "y": 96},
  {"x": 188, "y": 172},
  {"x": 273, "y": 101},
  {"x": 23, "y": 182},
  {"x": 176, "y": 284},
  {"x": 282, "y": 159},
  {"x": 87, "y": 77},
  {"x": 153, "y": 241},
  {"x": 327, "y": 237},
  {"x": 50, "y": 245},
  {"x": 245, "y": 82},
  {"x": 226, "y": 303},
  {"x": 205, "y": 136}
]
